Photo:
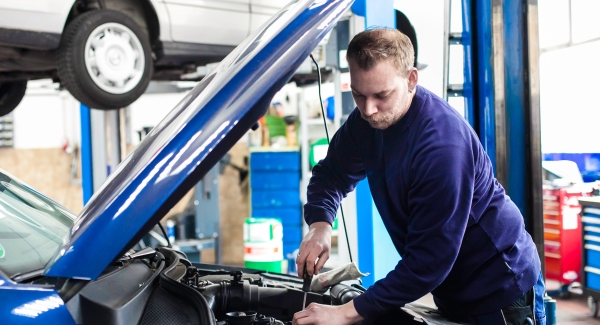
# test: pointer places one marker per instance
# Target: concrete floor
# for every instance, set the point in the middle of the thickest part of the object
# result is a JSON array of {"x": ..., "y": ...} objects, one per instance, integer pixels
[
  {"x": 571, "y": 311},
  {"x": 574, "y": 311}
]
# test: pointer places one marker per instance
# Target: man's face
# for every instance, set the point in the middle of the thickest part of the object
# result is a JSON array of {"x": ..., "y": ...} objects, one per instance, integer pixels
[{"x": 382, "y": 93}]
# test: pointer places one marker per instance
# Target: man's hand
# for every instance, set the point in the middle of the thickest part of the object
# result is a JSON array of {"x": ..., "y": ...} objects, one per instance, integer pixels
[
  {"x": 330, "y": 315},
  {"x": 316, "y": 244}
]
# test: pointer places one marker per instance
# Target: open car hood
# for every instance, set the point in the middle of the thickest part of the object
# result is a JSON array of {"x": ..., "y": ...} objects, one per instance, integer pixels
[{"x": 192, "y": 138}]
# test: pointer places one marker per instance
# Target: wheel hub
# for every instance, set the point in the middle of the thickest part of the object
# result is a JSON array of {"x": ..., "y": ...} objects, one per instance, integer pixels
[{"x": 114, "y": 59}]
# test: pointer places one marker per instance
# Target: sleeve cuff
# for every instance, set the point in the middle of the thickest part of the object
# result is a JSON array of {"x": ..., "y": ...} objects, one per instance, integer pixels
[
  {"x": 312, "y": 215},
  {"x": 365, "y": 307}
]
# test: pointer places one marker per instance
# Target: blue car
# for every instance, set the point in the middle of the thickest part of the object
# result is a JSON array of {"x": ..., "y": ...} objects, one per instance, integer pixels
[{"x": 59, "y": 268}]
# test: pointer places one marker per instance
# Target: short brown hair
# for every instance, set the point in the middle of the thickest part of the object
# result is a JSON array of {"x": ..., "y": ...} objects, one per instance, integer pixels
[{"x": 373, "y": 45}]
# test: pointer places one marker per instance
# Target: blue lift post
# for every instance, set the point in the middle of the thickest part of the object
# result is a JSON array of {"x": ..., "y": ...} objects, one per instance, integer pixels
[
  {"x": 86, "y": 153},
  {"x": 505, "y": 71},
  {"x": 505, "y": 53},
  {"x": 368, "y": 222}
]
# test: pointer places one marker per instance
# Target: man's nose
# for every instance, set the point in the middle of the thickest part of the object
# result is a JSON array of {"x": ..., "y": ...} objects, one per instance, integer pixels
[{"x": 370, "y": 107}]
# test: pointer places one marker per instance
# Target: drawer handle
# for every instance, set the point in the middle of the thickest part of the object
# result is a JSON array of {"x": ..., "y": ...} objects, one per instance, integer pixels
[
  {"x": 551, "y": 255},
  {"x": 552, "y": 231},
  {"x": 552, "y": 213},
  {"x": 552, "y": 243},
  {"x": 588, "y": 219},
  {"x": 592, "y": 247},
  {"x": 592, "y": 238},
  {"x": 552, "y": 222},
  {"x": 592, "y": 229},
  {"x": 592, "y": 210},
  {"x": 592, "y": 270}
]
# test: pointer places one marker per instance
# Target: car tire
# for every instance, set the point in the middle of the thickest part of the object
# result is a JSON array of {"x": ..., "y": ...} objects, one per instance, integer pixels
[
  {"x": 105, "y": 59},
  {"x": 11, "y": 94}
]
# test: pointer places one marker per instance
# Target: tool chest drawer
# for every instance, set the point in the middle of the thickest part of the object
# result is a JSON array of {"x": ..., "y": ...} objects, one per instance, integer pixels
[
  {"x": 590, "y": 219},
  {"x": 562, "y": 232},
  {"x": 287, "y": 216},
  {"x": 593, "y": 278},
  {"x": 592, "y": 255},
  {"x": 260, "y": 179},
  {"x": 275, "y": 198},
  {"x": 275, "y": 160}
]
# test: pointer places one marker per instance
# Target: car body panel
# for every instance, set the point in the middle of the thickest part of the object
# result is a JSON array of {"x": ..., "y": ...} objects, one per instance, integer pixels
[
  {"x": 31, "y": 304},
  {"x": 182, "y": 148},
  {"x": 163, "y": 20},
  {"x": 209, "y": 21},
  {"x": 47, "y": 16}
]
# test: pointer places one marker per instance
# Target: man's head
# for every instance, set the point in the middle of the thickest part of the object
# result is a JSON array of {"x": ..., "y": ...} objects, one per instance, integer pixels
[{"x": 382, "y": 75}]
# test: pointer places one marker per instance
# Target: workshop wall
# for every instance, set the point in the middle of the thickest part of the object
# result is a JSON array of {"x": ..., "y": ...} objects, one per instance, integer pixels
[
  {"x": 45, "y": 123},
  {"x": 47, "y": 171},
  {"x": 234, "y": 206}
]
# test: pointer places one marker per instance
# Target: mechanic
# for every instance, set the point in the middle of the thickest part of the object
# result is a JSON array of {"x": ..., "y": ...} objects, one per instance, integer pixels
[{"x": 459, "y": 235}]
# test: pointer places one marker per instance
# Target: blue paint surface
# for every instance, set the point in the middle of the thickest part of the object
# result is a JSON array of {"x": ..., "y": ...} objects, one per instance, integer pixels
[
  {"x": 485, "y": 79},
  {"x": 359, "y": 8},
  {"x": 30, "y": 304},
  {"x": 386, "y": 256},
  {"x": 515, "y": 104},
  {"x": 87, "y": 179},
  {"x": 468, "y": 62},
  {"x": 588, "y": 163},
  {"x": 364, "y": 225}
]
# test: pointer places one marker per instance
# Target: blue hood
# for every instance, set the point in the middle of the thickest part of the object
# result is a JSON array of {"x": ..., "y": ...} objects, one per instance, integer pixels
[{"x": 192, "y": 138}]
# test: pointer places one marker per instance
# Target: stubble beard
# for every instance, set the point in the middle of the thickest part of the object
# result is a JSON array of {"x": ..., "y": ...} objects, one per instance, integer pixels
[{"x": 379, "y": 122}]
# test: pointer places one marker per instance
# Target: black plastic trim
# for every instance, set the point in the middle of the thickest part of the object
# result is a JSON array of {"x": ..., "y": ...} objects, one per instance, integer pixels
[
  {"x": 28, "y": 39},
  {"x": 174, "y": 53},
  {"x": 195, "y": 298}
]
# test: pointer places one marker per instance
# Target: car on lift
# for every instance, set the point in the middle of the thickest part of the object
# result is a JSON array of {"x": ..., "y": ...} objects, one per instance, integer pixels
[
  {"x": 58, "y": 268},
  {"x": 105, "y": 52}
]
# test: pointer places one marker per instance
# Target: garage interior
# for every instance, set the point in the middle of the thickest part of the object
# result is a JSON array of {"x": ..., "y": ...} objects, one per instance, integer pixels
[{"x": 522, "y": 73}]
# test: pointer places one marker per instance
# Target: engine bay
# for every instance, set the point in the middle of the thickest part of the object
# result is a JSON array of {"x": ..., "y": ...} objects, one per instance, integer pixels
[{"x": 161, "y": 286}]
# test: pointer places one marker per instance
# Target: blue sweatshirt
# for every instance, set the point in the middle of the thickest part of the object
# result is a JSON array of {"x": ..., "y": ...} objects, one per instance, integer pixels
[{"x": 459, "y": 235}]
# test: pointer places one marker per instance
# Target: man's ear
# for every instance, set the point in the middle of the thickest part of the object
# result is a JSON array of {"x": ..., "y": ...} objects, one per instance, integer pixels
[{"x": 413, "y": 79}]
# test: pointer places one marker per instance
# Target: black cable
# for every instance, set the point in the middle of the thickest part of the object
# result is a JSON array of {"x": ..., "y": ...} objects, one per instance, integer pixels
[
  {"x": 328, "y": 141},
  {"x": 165, "y": 234}
]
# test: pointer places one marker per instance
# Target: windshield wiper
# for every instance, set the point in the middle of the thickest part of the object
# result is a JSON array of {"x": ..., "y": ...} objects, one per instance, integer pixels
[
  {"x": 147, "y": 252},
  {"x": 24, "y": 276}
]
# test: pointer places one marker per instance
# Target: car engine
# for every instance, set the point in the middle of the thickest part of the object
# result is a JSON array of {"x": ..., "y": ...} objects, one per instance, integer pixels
[{"x": 151, "y": 287}]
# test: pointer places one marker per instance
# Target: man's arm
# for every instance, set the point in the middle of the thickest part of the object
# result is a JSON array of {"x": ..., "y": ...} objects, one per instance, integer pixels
[
  {"x": 440, "y": 198},
  {"x": 332, "y": 179}
]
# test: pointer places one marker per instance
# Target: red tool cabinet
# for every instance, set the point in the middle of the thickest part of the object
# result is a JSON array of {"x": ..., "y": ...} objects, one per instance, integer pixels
[{"x": 562, "y": 232}]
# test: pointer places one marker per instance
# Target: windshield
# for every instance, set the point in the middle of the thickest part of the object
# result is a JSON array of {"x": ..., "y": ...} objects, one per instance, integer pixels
[{"x": 31, "y": 227}]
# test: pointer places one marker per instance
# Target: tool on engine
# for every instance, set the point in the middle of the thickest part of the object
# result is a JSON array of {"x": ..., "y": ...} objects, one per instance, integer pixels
[{"x": 306, "y": 285}]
